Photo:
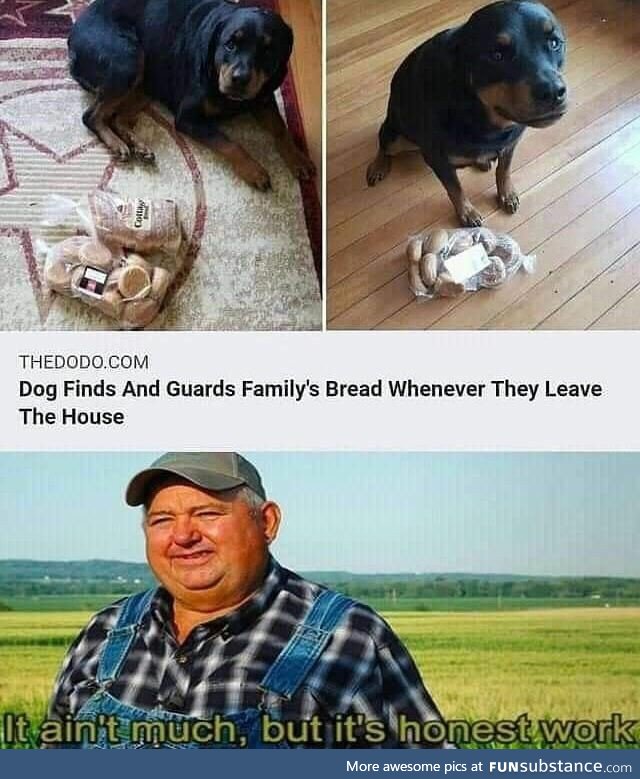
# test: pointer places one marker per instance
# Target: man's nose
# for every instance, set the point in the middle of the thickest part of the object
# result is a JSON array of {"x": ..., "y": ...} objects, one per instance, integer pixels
[{"x": 185, "y": 530}]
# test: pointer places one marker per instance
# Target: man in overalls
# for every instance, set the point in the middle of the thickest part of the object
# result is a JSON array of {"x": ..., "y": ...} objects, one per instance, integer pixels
[{"x": 233, "y": 650}]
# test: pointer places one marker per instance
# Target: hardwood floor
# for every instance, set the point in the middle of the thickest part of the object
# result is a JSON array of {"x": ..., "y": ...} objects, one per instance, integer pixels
[
  {"x": 305, "y": 17},
  {"x": 579, "y": 180}
]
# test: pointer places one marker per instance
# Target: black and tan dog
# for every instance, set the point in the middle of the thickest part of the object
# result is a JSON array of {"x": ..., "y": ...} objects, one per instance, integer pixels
[
  {"x": 465, "y": 97},
  {"x": 206, "y": 60}
]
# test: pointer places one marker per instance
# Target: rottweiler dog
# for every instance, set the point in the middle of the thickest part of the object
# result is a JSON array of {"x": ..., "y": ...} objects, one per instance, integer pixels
[
  {"x": 466, "y": 96},
  {"x": 206, "y": 60}
]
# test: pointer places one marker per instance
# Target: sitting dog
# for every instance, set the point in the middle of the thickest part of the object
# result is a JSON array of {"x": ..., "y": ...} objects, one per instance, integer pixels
[
  {"x": 206, "y": 60},
  {"x": 465, "y": 97}
]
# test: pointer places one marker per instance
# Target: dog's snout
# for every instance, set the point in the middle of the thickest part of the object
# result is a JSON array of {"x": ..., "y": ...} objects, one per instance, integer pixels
[
  {"x": 240, "y": 77},
  {"x": 550, "y": 91}
]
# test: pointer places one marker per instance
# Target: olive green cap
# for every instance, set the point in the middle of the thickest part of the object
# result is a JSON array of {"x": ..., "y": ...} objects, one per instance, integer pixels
[{"x": 209, "y": 470}]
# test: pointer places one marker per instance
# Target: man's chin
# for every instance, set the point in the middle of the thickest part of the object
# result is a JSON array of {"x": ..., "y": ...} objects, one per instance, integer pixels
[
  {"x": 197, "y": 581},
  {"x": 193, "y": 576}
]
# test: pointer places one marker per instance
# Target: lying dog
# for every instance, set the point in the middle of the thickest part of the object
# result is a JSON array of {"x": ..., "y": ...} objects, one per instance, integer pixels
[
  {"x": 466, "y": 96},
  {"x": 206, "y": 60}
]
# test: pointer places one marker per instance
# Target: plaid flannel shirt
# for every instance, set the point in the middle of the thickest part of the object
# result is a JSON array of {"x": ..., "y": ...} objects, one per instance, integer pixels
[{"x": 365, "y": 673}]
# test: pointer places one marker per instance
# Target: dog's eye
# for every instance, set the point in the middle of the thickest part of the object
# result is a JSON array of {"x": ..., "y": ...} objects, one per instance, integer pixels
[
  {"x": 554, "y": 43},
  {"x": 497, "y": 55},
  {"x": 230, "y": 46}
]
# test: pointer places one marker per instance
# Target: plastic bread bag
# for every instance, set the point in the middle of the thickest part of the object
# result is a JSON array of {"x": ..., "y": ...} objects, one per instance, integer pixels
[
  {"x": 448, "y": 263},
  {"x": 143, "y": 225},
  {"x": 124, "y": 287},
  {"x": 139, "y": 224}
]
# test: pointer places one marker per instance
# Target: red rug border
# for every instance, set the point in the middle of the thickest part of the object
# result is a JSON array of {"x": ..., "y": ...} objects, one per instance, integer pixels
[{"x": 312, "y": 207}]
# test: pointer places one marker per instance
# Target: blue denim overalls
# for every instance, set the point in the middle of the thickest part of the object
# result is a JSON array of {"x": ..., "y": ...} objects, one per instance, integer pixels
[{"x": 282, "y": 679}]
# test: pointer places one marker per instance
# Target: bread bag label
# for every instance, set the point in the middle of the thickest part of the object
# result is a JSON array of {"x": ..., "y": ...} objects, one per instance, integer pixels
[
  {"x": 137, "y": 214},
  {"x": 93, "y": 282}
]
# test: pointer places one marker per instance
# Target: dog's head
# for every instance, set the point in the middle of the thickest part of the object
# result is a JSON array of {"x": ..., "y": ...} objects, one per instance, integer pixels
[
  {"x": 513, "y": 53},
  {"x": 249, "y": 50}
]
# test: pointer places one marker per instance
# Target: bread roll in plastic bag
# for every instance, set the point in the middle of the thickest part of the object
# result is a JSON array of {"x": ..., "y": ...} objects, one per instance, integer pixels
[
  {"x": 125, "y": 288},
  {"x": 448, "y": 263}
]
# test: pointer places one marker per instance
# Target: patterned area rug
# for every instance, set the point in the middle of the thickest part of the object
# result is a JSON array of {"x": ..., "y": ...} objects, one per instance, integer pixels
[{"x": 251, "y": 260}]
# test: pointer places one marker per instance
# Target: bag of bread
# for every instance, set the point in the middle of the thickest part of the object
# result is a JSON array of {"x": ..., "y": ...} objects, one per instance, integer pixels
[
  {"x": 140, "y": 224},
  {"x": 448, "y": 263},
  {"x": 124, "y": 287}
]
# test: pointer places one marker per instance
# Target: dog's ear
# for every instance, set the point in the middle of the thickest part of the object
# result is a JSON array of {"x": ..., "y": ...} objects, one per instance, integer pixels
[
  {"x": 286, "y": 39},
  {"x": 461, "y": 68},
  {"x": 209, "y": 62},
  {"x": 210, "y": 34}
]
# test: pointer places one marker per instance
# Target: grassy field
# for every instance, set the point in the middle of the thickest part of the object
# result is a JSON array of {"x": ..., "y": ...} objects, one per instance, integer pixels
[
  {"x": 487, "y": 604},
  {"x": 558, "y": 663},
  {"x": 553, "y": 664},
  {"x": 90, "y": 603},
  {"x": 94, "y": 602}
]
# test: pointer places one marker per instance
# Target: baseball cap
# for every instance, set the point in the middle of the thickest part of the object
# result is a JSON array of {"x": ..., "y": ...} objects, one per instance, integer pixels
[{"x": 209, "y": 470}]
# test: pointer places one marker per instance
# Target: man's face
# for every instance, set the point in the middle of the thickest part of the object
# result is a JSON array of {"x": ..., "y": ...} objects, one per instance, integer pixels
[{"x": 207, "y": 549}]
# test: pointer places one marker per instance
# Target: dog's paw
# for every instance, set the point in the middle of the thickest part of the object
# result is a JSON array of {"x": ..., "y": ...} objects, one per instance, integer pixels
[
  {"x": 509, "y": 201},
  {"x": 300, "y": 165},
  {"x": 139, "y": 150},
  {"x": 122, "y": 154},
  {"x": 258, "y": 178},
  {"x": 378, "y": 170},
  {"x": 469, "y": 215},
  {"x": 143, "y": 154}
]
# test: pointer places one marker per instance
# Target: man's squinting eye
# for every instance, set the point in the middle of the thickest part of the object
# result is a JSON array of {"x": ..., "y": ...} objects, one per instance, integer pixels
[
  {"x": 158, "y": 520},
  {"x": 210, "y": 514}
]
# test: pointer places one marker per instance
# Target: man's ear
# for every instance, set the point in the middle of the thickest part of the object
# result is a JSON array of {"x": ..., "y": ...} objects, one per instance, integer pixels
[{"x": 270, "y": 519}]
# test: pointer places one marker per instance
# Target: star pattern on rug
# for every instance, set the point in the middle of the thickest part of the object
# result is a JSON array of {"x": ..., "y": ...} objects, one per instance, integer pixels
[
  {"x": 13, "y": 10},
  {"x": 71, "y": 8}
]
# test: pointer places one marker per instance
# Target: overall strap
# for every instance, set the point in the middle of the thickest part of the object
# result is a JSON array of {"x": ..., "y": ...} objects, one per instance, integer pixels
[
  {"x": 295, "y": 661},
  {"x": 120, "y": 638}
]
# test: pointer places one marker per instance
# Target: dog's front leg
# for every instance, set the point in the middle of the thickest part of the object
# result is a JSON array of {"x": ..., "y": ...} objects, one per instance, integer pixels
[
  {"x": 191, "y": 120},
  {"x": 467, "y": 213},
  {"x": 241, "y": 161},
  {"x": 507, "y": 194},
  {"x": 297, "y": 162}
]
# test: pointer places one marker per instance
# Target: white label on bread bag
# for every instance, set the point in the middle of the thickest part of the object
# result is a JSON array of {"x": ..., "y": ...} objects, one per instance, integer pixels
[
  {"x": 467, "y": 264},
  {"x": 139, "y": 214}
]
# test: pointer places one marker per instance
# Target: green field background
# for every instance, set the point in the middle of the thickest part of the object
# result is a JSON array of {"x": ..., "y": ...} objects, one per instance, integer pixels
[{"x": 480, "y": 663}]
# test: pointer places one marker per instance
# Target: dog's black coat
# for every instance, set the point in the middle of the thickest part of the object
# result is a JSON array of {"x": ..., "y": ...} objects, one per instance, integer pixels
[
  {"x": 177, "y": 43},
  {"x": 435, "y": 98}
]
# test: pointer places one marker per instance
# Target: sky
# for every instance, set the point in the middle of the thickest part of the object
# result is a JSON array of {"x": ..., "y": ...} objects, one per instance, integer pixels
[{"x": 535, "y": 514}]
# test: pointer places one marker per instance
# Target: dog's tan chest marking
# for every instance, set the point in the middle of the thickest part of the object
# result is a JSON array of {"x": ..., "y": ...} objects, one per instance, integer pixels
[
  {"x": 400, "y": 145},
  {"x": 210, "y": 108},
  {"x": 459, "y": 161}
]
